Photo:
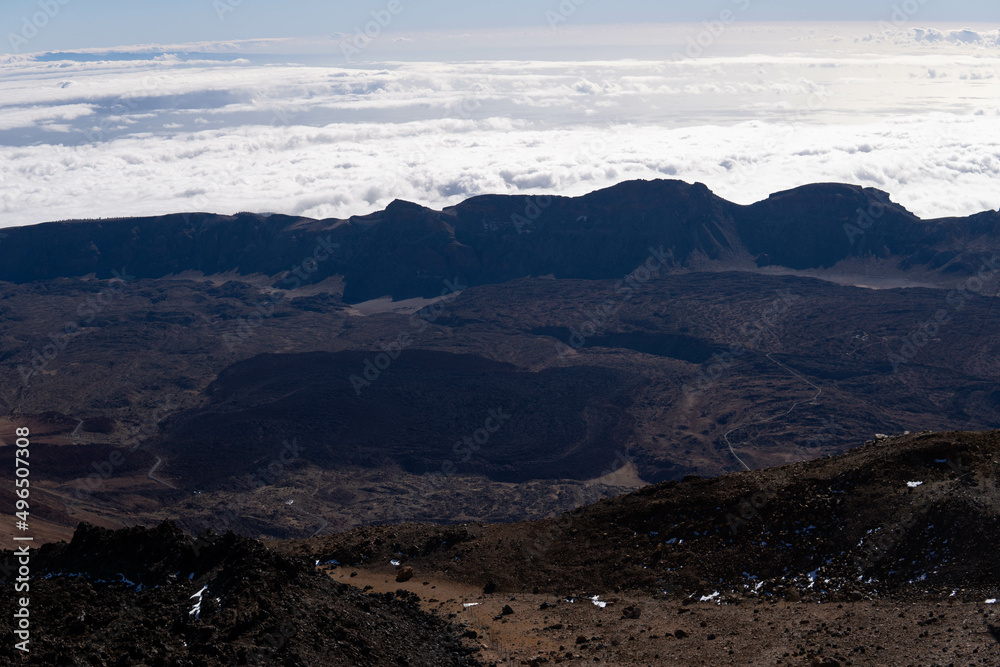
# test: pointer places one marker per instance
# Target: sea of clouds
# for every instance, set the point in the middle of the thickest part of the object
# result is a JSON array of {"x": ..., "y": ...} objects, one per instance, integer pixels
[{"x": 226, "y": 128}]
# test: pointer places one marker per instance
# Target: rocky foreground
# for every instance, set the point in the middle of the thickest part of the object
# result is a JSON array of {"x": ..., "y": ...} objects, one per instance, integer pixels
[
  {"x": 885, "y": 555},
  {"x": 154, "y": 597},
  {"x": 882, "y": 556}
]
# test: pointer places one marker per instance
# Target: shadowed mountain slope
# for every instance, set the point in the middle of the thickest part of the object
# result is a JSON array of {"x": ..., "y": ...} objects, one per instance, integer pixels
[
  {"x": 408, "y": 250},
  {"x": 905, "y": 515}
]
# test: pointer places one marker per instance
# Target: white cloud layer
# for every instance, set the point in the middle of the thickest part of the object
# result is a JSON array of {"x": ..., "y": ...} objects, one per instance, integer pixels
[{"x": 915, "y": 112}]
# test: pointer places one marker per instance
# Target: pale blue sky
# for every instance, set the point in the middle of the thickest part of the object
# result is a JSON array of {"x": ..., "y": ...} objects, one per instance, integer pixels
[
  {"x": 103, "y": 23},
  {"x": 455, "y": 99}
]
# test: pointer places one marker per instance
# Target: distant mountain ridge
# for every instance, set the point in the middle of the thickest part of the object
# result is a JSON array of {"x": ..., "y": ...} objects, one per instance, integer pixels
[{"x": 408, "y": 250}]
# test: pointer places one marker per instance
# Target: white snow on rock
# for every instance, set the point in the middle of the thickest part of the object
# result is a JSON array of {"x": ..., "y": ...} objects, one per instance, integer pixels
[
  {"x": 196, "y": 609},
  {"x": 913, "y": 485}
]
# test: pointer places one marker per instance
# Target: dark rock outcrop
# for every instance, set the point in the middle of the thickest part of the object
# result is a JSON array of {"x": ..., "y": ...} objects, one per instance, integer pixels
[
  {"x": 152, "y": 596},
  {"x": 408, "y": 250}
]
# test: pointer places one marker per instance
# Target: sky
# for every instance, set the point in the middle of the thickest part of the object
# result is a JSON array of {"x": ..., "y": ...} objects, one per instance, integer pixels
[
  {"x": 77, "y": 24},
  {"x": 114, "y": 108}
]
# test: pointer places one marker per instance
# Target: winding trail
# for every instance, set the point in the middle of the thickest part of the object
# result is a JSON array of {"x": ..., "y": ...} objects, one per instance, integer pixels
[
  {"x": 157, "y": 479},
  {"x": 819, "y": 391}
]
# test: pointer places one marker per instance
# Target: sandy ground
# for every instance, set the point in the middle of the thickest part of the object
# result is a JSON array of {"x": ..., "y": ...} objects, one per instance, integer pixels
[{"x": 545, "y": 629}]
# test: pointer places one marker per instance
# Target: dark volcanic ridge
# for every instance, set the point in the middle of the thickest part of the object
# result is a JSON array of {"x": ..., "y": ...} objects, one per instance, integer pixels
[
  {"x": 153, "y": 596},
  {"x": 410, "y": 251},
  {"x": 908, "y": 516},
  {"x": 433, "y": 411},
  {"x": 156, "y": 369}
]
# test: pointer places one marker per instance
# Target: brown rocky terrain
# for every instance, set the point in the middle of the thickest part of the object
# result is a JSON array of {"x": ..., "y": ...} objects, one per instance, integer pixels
[
  {"x": 845, "y": 560},
  {"x": 795, "y": 368},
  {"x": 881, "y": 556},
  {"x": 634, "y": 394}
]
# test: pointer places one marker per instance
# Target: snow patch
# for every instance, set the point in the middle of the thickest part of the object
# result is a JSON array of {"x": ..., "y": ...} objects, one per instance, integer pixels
[{"x": 196, "y": 609}]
